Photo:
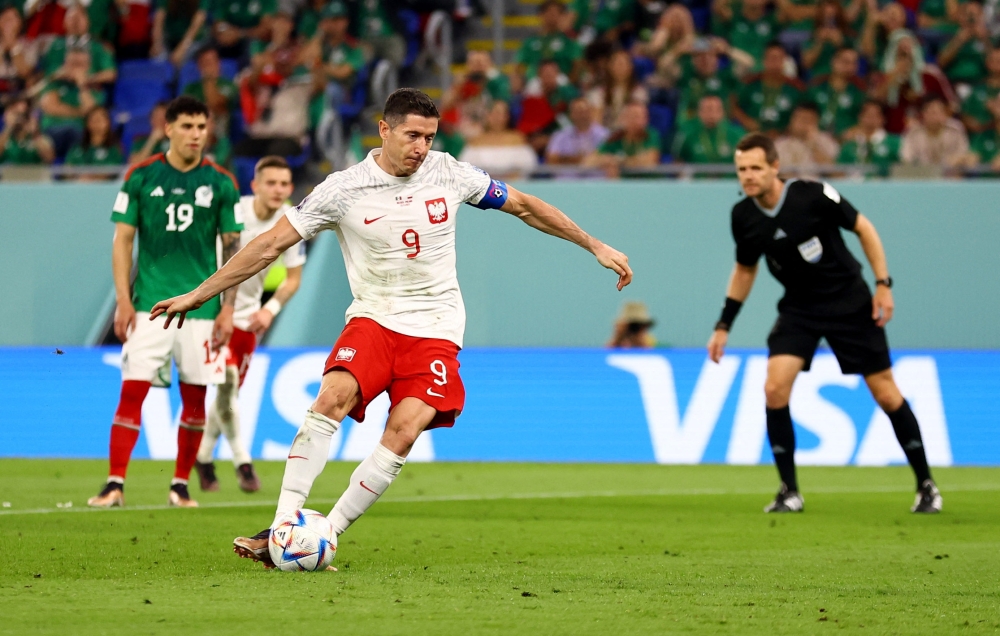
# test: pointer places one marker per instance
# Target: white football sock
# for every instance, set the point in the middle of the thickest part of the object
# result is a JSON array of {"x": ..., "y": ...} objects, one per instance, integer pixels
[
  {"x": 210, "y": 437},
  {"x": 227, "y": 409},
  {"x": 370, "y": 479},
  {"x": 306, "y": 460}
]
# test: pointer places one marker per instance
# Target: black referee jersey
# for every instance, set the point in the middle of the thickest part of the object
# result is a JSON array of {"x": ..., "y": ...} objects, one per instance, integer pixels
[{"x": 804, "y": 247}]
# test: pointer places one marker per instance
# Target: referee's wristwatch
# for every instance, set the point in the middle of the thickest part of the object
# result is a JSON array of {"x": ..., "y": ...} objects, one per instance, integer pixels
[{"x": 887, "y": 281}]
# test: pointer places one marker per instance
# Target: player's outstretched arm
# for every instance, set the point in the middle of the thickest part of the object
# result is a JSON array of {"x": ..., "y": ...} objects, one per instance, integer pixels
[
  {"x": 882, "y": 302},
  {"x": 740, "y": 283},
  {"x": 549, "y": 219},
  {"x": 258, "y": 254},
  {"x": 121, "y": 269}
]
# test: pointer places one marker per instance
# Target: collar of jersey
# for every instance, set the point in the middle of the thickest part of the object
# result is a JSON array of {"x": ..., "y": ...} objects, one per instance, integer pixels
[
  {"x": 382, "y": 174},
  {"x": 773, "y": 212}
]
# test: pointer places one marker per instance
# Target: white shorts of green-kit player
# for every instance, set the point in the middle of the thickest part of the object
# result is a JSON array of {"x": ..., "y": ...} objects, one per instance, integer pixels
[{"x": 147, "y": 353}]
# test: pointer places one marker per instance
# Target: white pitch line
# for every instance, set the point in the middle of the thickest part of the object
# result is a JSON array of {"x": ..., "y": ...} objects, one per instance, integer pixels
[{"x": 520, "y": 496}]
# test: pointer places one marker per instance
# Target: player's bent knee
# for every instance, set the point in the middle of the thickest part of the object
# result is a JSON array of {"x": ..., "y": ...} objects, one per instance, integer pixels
[{"x": 776, "y": 394}]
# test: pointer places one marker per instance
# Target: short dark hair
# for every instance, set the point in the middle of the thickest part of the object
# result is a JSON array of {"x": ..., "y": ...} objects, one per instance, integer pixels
[
  {"x": 185, "y": 105},
  {"x": 270, "y": 161},
  {"x": 776, "y": 44},
  {"x": 871, "y": 103},
  {"x": 758, "y": 140},
  {"x": 810, "y": 106},
  {"x": 548, "y": 4},
  {"x": 930, "y": 99},
  {"x": 408, "y": 101}
]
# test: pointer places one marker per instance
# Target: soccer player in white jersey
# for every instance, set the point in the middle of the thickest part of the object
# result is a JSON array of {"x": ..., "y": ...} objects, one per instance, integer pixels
[
  {"x": 271, "y": 185},
  {"x": 394, "y": 214}
]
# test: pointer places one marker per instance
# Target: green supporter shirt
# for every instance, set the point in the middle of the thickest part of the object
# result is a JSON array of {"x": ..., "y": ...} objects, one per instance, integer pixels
[
  {"x": 838, "y": 110},
  {"x": 696, "y": 144},
  {"x": 101, "y": 59},
  {"x": 695, "y": 86},
  {"x": 308, "y": 23},
  {"x": 986, "y": 145},
  {"x": 69, "y": 93},
  {"x": 623, "y": 148},
  {"x": 938, "y": 10},
  {"x": 95, "y": 156},
  {"x": 102, "y": 14},
  {"x": 882, "y": 151},
  {"x": 220, "y": 152},
  {"x": 176, "y": 25},
  {"x": 752, "y": 36},
  {"x": 557, "y": 46},
  {"x": 226, "y": 88},
  {"x": 602, "y": 14},
  {"x": 20, "y": 153},
  {"x": 373, "y": 20},
  {"x": 975, "y": 105},
  {"x": 772, "y": 107},
  {"x": 969, "y": 64},
  {"x": 242, "y": 13},
  {"x": 140, "y": 141},
  {"x": 560, "y": 98},
  {"x": 450, "y": 142},
  {"x": 177, "y": 216},
  {"x": 344, "y": 53},
  {"x": 803, "y": 25}
]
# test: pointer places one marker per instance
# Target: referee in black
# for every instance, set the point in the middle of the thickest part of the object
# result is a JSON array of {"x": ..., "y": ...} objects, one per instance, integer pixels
[{"x": 796, "y": 225}]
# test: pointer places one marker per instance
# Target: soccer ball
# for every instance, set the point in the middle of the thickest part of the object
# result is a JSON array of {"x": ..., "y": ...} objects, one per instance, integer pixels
[{"x": 302, "y": 540}]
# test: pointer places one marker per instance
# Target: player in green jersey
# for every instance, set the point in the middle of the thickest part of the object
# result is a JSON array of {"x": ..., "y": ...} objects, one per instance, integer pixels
[{"x": 176, "y": 203}]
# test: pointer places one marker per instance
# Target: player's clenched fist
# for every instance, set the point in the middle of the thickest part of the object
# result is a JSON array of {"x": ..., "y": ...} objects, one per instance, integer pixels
[
  {"x": 176, "y": 306},
  {"x": 616, "y": 261}
]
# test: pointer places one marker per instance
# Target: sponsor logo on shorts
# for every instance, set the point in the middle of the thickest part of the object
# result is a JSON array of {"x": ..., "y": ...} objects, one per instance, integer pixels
[
  {"x": 437, "y": 210},
  {"x": 346, "y": 354}
]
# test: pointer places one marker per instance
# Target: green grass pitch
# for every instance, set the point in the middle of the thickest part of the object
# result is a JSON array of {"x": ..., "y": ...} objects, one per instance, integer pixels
[{"x": 510, "y": 549}]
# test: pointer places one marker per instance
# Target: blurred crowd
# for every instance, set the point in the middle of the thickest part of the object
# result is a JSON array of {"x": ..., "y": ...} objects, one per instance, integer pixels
[{"x": 614, "y": 86}]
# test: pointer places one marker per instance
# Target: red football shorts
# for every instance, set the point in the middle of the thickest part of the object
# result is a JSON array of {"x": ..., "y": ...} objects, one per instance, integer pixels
[
  {"x": 405, "y": 366},
  {"x": 241, "y": 348}
]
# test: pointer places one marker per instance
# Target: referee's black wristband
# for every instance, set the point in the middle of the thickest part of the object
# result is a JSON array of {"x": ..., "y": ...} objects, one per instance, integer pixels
[{"x": 729, "y": 312}]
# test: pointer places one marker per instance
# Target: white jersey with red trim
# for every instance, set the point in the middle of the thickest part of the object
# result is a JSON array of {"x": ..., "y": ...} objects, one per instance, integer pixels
[
  {"x": 250, "y": 291},
  {"x": 398, "y": 239}
]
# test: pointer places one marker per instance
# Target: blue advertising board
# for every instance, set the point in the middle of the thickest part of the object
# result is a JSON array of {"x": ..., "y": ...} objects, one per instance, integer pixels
[{"x": 548, "y": 405}]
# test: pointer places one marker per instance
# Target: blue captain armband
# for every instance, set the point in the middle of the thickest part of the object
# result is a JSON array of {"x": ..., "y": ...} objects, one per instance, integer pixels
[{"x": 495, "y": 197}]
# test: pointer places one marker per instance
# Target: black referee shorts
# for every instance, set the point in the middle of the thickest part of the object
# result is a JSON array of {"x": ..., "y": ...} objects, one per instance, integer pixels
[{"x": 859, "y": 344}]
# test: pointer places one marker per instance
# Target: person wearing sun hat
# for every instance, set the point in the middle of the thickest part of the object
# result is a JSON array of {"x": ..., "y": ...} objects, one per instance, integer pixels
[{"x": 631, "y": 330}]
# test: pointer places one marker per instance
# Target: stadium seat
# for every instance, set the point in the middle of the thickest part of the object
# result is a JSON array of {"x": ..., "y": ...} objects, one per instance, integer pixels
[
  {"x": 662, "y": 119},
  {"x": 412, "y": 34},
  {"x": 189, "y": 72},
  {"x": 643, "y": 66},
  {"x": 134, "y": 127},
  {"x": 141, "y": 84}
]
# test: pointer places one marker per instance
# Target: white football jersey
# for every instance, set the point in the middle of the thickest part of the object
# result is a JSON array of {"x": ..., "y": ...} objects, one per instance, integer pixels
[
  {"x": 398, "y": 239},
  {"x": 250, "y": 291}
]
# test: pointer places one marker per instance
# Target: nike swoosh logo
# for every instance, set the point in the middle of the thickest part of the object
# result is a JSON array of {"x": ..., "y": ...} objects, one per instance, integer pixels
[
  {"x": 370, "y": 221},
  {"x": 367, "y": 488},
  {"x": 298, "y": 457},
  {"x": 429, "y": 392}
]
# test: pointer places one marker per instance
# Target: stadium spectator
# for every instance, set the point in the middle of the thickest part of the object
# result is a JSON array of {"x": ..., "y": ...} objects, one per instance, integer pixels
[
  {"x": 221, "y": 95},
  {"x": 937, "y": 21},
  {"x": 570, "y": 146},
  {"x": 18, "y": 55},
  {"x": 217, "y": 147},
  {"x": 840, "y": 95},
  {"x": 632, "y": 326},
  {"x": 798, "y": 18},
  {"x": 938, "y": 140},
  {"x": 145, "y": 146},
  {"x": 609, "y": 20},
  {"x": 66, "y": 99},
  {"x": 672, "y": 38},
  {"x": 341, "y": 59},
  {"x": 976, "y": 113},
  {"x": 869, "y": 143},
  {"x": 634, "y": 145},
  {"x": 550, "y": 44},
  {"x": 448, "y": 139},
  {"x": 710, "y": 138},
  {"x": 985, "y": 146},
  {"x": 21, "y": 140},
  {"x": 177, "y": 26},
  {"x": 99, "y": 147},
  {"x": 805, "y": 146},
  {"x": 907, "y": 84},
  {"x": 648, "y": 14},
  {"x": 831, "y": 32},
  {"x": 500, "y": 150},
  {"x": 134, "y": 37},
  {"x": 700, "y": 74},
  {"x": 45, "y": 20},
  {"x": 102, "y": 61},
  {"x": 377, "y": 29},
  {"x": 963, "y": 59},
  {"x": 546, "y": 100},
  {"x": 308, "y": 17},
  {"x": 748, "y": 30},
  {"x": 237, "y": 24},
  {"x": 884, "y": 32},
  {"x": 620, "y": 87},
  {"x": 102, "y": 17},
  {"x": 471, "y": 94},
  {"x": 766, "y": 102},
  {"x": 276, "y": 94},
  {"x": 596, "y": 60}
]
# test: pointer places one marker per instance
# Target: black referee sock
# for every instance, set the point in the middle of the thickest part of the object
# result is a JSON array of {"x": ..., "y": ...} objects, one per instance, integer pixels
[
  {"x": 904, "y": 423},
  {"x": 781, "y": 433}
]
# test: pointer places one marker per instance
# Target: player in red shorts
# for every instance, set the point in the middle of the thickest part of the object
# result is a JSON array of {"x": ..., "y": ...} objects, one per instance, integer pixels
[
  {"x": 394, "y": 214},
  {"x": 272, "y": 185}
]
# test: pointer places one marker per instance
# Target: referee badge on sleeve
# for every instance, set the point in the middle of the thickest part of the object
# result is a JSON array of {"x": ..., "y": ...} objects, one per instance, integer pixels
[{"x": 811, "y": 250}]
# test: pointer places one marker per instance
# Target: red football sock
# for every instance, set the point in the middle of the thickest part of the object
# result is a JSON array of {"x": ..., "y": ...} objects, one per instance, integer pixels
[
  {"x": 191, "y": 429},
  {"x": 125, "y": 426}
]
